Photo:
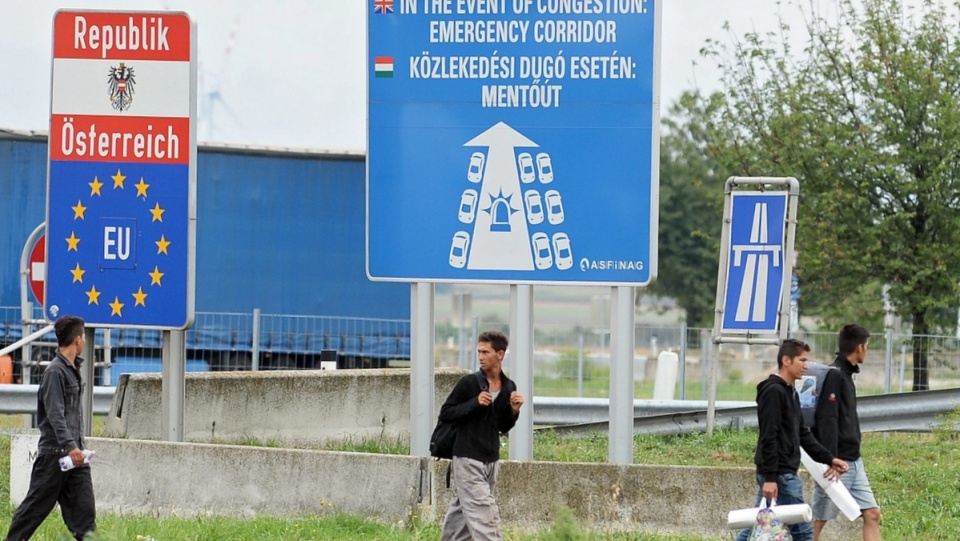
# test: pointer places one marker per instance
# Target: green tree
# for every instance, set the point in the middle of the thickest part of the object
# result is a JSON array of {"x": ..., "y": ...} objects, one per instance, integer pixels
[
  {"x": 867, "y": 117},
  {"x": 691, "y": 212}
]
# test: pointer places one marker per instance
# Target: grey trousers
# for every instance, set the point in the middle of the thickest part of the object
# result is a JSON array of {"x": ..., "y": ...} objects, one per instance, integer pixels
[{"x": 473, "y": 514}]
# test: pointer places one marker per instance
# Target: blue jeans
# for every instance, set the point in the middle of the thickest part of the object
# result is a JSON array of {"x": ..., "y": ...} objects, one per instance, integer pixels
[{"x": 790, "y": 491}]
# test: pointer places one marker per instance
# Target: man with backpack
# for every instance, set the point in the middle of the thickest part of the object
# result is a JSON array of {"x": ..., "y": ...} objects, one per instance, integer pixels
[
  {"x": 481, "y": 413},
  {"x": 838, "y": 429},
  {"x": 783, "y": 433}
]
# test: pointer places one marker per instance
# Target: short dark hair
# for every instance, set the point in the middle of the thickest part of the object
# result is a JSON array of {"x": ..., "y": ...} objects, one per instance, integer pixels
[
  {"x": 68, "y": 328},
  {"x": 850, "y": 337},
  {"x": 496, "y": 339},
  {"x": 791, "y": 347}
]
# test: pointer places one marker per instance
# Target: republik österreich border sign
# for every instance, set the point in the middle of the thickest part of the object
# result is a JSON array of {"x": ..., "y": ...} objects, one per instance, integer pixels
[{"x": 121, "y": 185}]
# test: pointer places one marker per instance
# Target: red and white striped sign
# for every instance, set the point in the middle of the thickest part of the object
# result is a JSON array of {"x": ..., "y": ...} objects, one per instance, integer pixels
[
  {"x": 37, "y": 269},
  {"x": 112, "y": 75}
]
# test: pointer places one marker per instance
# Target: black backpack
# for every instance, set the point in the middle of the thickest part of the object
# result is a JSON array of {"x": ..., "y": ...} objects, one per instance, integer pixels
[
  {"x": 444, "y": 434},
  {"x": 809, "y": 387}
]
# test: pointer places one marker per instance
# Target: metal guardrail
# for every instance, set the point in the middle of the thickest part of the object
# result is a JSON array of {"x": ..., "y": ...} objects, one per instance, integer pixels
[
  {"x": 568, "y": 411},
  {"x": 23, "y": 399},
  {"x": 913, "y": 412},
  {"x": 904, "y": 412}
]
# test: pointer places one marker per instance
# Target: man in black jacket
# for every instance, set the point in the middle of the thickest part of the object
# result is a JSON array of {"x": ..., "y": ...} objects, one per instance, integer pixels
[
  {"x": 782, "y": 434},
  {"x": 838, "y": 429},
  {"x": 481, "y": 416},
  {"x": 60, "y": 419}
]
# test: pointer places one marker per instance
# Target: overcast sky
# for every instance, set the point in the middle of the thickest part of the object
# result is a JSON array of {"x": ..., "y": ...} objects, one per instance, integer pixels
[{"x": 293, "y": 74}]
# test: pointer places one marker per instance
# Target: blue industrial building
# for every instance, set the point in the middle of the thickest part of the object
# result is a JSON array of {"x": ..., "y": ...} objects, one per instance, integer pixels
[{"x": 279, "y": 231}]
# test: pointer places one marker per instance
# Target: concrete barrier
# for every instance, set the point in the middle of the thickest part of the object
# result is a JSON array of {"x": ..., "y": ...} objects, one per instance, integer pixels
[
  {"x": 295, "y": 408},
  {"x": 139, "y": 477},
  {"x": 681, "y": 500},
  {"x": 159, "y": 478}
]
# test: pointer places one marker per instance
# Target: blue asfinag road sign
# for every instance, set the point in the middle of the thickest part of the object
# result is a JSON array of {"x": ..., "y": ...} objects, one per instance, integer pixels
[
  {"x": 512, "y": 141},
  {"x": 756, "y": 262}
]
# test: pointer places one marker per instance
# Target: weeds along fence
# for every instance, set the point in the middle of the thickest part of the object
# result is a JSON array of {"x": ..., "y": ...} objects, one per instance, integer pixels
[{"x": 568, "y": 361}]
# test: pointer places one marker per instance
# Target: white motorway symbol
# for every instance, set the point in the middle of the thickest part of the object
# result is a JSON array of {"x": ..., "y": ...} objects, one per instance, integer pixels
[{"x": 753, "y": 291}]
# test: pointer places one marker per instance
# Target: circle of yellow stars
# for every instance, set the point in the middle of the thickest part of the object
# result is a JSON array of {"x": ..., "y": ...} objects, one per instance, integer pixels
[{"x": 73, "y": 244}]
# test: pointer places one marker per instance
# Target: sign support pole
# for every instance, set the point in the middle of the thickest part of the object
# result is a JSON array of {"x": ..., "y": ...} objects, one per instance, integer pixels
[
  {"x": 712, "y": 388},
  {"x": 521, "y": 330},
  {"x": 721, "y": 291},
  {"x": 174, "y": 385},
  {"x": 789, "y": 257},
  {"x": 87, "y": 374},
  {"x": 421, "y": 367},
  {"x": 25, "y": 305},
  {"x": 622, "y": 341}
]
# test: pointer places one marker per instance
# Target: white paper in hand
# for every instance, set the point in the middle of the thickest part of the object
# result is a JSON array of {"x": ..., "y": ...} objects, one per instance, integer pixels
[{"x": 835, "y": 490}]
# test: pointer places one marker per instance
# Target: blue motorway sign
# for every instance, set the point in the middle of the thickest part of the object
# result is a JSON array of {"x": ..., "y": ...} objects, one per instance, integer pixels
[
  {"x": 512, "y": 141},
  {"x": 755, "y": 262}
]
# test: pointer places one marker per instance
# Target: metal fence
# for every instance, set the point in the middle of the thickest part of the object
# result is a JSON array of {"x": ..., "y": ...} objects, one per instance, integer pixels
[
  {"x": 568, "y": 361},
  {"x": 576, "y": 361},
  {"x": 227, "y": 341}
]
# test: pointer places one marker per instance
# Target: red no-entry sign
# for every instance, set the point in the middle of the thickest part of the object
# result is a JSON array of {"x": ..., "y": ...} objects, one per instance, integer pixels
[{"x": 37, "y": 268}]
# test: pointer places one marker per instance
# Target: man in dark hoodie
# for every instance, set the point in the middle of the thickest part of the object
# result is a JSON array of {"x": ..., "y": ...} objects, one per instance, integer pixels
[
  {"x": 481, "y": 415},
  {"x": 838, "y": 429},
  {"x": 783, "y": 433}
]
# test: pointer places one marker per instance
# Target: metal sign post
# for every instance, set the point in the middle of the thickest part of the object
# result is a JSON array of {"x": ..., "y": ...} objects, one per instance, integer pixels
[
  {"x": 87, "y": 377},
  {"x": 174, "y": 385},
  {"x": 521, "y": 368},
  {"x": 756, "y": 266},
  {"x": 422, "y": 381},
  {"x": 622, "y": 343}
]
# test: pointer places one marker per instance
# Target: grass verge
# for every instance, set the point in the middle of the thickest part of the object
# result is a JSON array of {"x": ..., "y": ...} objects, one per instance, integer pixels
[{"x": 916, "y": 478}]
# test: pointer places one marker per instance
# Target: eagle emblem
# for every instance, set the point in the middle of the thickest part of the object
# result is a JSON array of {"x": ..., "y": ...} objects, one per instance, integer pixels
[{"x": 120, "y": 86}]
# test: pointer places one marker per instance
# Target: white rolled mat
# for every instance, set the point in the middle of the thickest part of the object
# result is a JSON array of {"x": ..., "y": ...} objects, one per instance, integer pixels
[
  {"x": 836, "y": 491},
  {"x": 788, "y": 514}
]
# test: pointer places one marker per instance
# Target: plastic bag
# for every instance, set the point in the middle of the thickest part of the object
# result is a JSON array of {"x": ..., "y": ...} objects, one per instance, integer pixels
[{"x": 768, "y": 527}]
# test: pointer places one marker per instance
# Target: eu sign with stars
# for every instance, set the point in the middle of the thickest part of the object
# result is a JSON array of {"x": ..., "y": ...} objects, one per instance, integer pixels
[{"x": 121, "y": 212}]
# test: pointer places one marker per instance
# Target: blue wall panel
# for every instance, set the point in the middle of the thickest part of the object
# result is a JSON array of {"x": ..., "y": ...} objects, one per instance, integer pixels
[
  {"x": 283, "y": 233},
  {"x": 23, "y": 200}
]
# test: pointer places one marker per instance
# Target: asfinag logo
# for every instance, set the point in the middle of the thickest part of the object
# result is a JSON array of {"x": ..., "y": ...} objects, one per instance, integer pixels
[{"x": 587, "y": 264}]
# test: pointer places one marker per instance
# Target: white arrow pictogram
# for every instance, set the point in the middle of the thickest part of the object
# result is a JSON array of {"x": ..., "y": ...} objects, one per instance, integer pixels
[{"x": 501, "y": 240}]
